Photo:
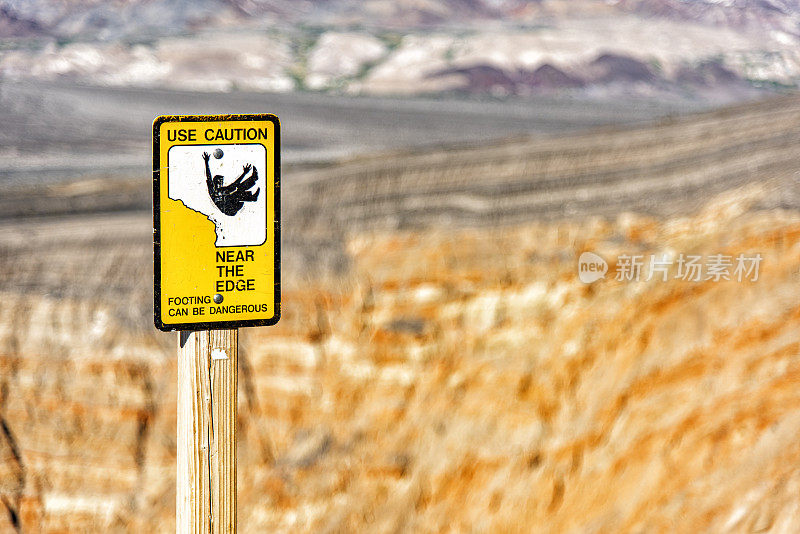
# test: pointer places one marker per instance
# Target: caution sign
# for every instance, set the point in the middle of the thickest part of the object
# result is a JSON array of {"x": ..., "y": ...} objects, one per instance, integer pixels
[{"x": 216, "y": 221}]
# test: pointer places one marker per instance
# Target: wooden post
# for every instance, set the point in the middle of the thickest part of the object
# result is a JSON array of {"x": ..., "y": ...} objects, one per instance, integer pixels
[{"x": 206, "y": 493}]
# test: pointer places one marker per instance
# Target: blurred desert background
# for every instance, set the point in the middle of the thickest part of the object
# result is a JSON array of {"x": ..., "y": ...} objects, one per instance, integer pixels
[{"x": 439, "y": 366}]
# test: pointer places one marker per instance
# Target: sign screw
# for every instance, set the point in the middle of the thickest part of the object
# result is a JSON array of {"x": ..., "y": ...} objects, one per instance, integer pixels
[
  {"x": 218, "y": 153},
  {"x": 218, "y": 298}
]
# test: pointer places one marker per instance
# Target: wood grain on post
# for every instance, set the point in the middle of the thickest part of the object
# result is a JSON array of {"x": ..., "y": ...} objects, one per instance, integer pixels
[{"x": 206, "y": 494}]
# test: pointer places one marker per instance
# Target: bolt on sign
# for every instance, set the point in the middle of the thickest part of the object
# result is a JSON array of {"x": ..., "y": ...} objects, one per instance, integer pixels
[{"x": 216, "y": 221}]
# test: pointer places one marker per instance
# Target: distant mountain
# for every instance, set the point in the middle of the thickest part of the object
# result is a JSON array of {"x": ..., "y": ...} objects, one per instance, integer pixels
[
  {"x": 76, "y": 19},
  {"x": 606, "y": 71},
  {"x": 130, "y": 18},
  {"x": 783, "y": 15},
  {"x": 495, "y": 47},
  {"x": 13, "y": 24}
]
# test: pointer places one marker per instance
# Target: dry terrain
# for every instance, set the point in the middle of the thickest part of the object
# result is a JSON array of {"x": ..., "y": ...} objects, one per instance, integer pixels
[{"x": 439, "y": 366}]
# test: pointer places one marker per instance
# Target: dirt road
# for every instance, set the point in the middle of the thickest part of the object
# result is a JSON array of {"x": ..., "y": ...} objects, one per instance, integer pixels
[{"x": 57, "y": 132}]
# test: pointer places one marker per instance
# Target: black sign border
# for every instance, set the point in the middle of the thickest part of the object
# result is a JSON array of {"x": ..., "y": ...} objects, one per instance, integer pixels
[{"x": 213, "y": 325}]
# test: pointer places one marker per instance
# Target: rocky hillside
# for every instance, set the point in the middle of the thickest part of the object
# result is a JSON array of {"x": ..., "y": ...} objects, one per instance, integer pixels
[
  {"x": 452, "y": 379},
  {"x": 441, "y": 365}
]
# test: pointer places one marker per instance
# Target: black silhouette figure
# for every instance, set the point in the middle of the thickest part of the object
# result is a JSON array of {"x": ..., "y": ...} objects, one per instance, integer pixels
[{"x": 231, "y": 198}]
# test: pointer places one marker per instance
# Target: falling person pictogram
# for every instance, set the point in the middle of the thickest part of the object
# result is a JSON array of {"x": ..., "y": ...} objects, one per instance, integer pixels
[{"x": 231, "y": 198}]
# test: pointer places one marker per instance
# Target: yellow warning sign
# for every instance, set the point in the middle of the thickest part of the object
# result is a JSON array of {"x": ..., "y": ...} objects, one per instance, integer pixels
[{"x": 216, "y": 221}]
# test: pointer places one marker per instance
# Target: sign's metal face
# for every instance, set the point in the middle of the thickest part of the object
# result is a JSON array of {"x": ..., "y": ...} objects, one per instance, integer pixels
[{"x": 216, "y": 221}]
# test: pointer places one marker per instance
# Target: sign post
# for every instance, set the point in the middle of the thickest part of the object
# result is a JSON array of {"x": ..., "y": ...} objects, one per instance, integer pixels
[
  {"x": 206, "y": 455},
  {"x": 216, "y": 240}
]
